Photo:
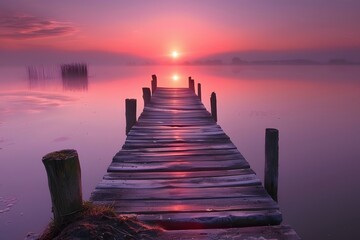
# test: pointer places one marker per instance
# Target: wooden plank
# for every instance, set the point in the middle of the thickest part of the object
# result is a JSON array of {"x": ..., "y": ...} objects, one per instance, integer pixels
[
  {"x": 127, "y": 148},
  {"x": 219, "y": 139},
  {"x": 175, "y": 132},
  {"x": 177, "y": 166},
  {"x": 165, "y": 128},
  {"x": 145, "y": 158},
  {"x": 280, "y": 232},
  {"x": 200, "y": 182},
  {"x": 153, "y": 112},
  {"x": 150, "y": 206},
  {"x": 151, "y": 144},
  {"x": 173, "y": 122},
  {"x": 113, "y": 194},
  {"x": 176, "y": 175},
  {"x": 205, "y": 220},
  {"x": 177, "y": 140},
  {"x": 200, "y": 152}
]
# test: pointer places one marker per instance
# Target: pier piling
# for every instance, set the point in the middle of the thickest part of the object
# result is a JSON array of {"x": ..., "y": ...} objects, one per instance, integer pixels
[
  {"x": 153, "y": 83},
  {"x": 64, "y": 179},
  {"x": 146, "y": 95},
  {"x": 213, "y": 106},
  {"x": 199, "y": 91},
  {"x": 191, "y": 84},
  {"x": 130, "y": 112},
  {"x": 271, "y": 162}
]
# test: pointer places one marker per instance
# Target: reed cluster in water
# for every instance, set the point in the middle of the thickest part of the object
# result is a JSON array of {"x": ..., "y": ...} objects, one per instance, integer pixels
[{"x": 74, "y": 70}]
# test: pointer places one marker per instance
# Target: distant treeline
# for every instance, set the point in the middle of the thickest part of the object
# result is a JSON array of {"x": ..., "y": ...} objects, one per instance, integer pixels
[
  {"x": 74, "y": 70},
  {"x": 239, "y": 61}
]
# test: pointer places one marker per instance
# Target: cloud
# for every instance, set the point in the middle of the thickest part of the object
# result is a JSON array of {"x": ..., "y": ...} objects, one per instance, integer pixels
[{"x": 22, "y": 27}]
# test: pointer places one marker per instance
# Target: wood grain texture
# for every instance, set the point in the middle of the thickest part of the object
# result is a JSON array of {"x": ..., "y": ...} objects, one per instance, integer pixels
[
  {"x": 64, "y": 179},
  {"x": 283, "y": 232}
]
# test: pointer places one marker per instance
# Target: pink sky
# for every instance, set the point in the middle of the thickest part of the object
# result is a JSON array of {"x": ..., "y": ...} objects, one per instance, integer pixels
[{"x": 193, "y": 28}]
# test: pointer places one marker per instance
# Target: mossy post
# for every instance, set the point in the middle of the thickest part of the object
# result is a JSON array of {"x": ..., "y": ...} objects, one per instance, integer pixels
[
  {"x": 153, "y": 83},
  {"x": 213, "y": 106},
  {"x": 191, "y": 84},
  {"x": 199, "y": 90},
  {"x": 146, "y": 95},
  {"x": 64, "y": 178},
  {"x": 271, "y": 162},
  {"x": 130, "y": 113}
]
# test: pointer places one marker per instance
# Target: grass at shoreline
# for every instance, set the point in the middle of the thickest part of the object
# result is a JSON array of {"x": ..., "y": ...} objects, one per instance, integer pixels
[{"x": 100, "y": 222}]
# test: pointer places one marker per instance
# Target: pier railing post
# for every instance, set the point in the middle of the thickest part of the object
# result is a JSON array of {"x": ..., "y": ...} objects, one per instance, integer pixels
[
  {"x": 146, "y": 95},
  {"x": 213, "y": 106},
  {"x": 130, "y": 113},
  {"x": 199, "y": 90},
  {"x": 271, "y": 162},
  {"x": 153, "y": 83},
  {"x": 64, "y": 179},
  {"x": 191, "y": 84}
]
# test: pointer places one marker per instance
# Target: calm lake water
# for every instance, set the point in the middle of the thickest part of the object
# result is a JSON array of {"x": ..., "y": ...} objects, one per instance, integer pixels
[{"x": 315, "y": 108}]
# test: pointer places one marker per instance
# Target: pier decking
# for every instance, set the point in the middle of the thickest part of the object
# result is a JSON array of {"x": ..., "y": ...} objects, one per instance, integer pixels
[{"x": 179, "y": 170}]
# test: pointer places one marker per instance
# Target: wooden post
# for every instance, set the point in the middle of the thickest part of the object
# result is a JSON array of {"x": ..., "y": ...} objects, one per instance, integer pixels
[
  {"x": 213, "y": 106},
  {"x": 130, "y": 112},
  {"x": 191, "y": 84},
  {"x": 153, "y": 83},
  {"x": 146, "y": 96},
  {"x": 64, "y": 179},
  {"x": 199, "y": 90},
  {"x": 271, "y": 162}
]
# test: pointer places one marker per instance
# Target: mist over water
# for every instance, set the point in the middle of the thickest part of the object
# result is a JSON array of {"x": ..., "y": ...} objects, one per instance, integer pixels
[{"x": 315, "y": 109}]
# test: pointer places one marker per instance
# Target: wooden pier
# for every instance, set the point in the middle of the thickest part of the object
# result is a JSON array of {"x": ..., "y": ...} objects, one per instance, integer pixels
[{"x": 179, "y": 170}]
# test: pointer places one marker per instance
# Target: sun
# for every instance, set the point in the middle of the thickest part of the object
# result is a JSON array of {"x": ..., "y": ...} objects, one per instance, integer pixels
[
  {"x": 174, "y": 54},
  {"x": 175, "y": 77}
]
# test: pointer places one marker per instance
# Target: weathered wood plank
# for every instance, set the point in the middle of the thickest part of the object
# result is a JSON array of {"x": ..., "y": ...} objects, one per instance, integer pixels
[
  {"x": 176, "y": 175},
  {"x": 177, "y": 166},
  {"x": 200, "y": 152},
  {"x": 206, "y": 220},
  {"x": 200, "y": 182},
  {"x": 113, "y": 194},
  {"x": 282, "y": 232},
  {"x": 184, "y": 148},
  {"x": 175, "y": 131},
  {"x": 150, "y": 206},
  {"x": 164, "y": 128},
  {"x": 146, "y": 158},
  {"x": 151, "y": 144}
]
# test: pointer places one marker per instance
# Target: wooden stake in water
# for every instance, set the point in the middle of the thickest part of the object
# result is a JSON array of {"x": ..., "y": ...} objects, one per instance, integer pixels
[
  {"x": 191, "y": 84},
  {"x": 146, "y": 95},
  {"x": 271, "y": 162},
  {"x": 153, "y": 83},
  {"x": 130, "y": 113},
  {"x": 64, "y": 178},
  {"x": 199, "y": 91},
  {"x": 213, "y": 106}
]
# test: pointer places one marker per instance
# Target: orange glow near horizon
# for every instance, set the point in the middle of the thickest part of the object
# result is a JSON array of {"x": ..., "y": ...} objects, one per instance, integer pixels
[{"x": 181, "y": 33}]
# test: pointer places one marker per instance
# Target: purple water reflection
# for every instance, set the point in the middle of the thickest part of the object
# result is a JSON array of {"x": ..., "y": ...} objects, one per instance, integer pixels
[{"x": 314, "y": 107}]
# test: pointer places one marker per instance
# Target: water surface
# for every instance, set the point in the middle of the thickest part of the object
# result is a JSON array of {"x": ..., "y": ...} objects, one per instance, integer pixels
[{"x": 314, "y": 107}]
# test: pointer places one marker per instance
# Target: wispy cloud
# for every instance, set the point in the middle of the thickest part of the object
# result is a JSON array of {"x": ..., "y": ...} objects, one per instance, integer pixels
[{"x": 20, "y": 26}]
